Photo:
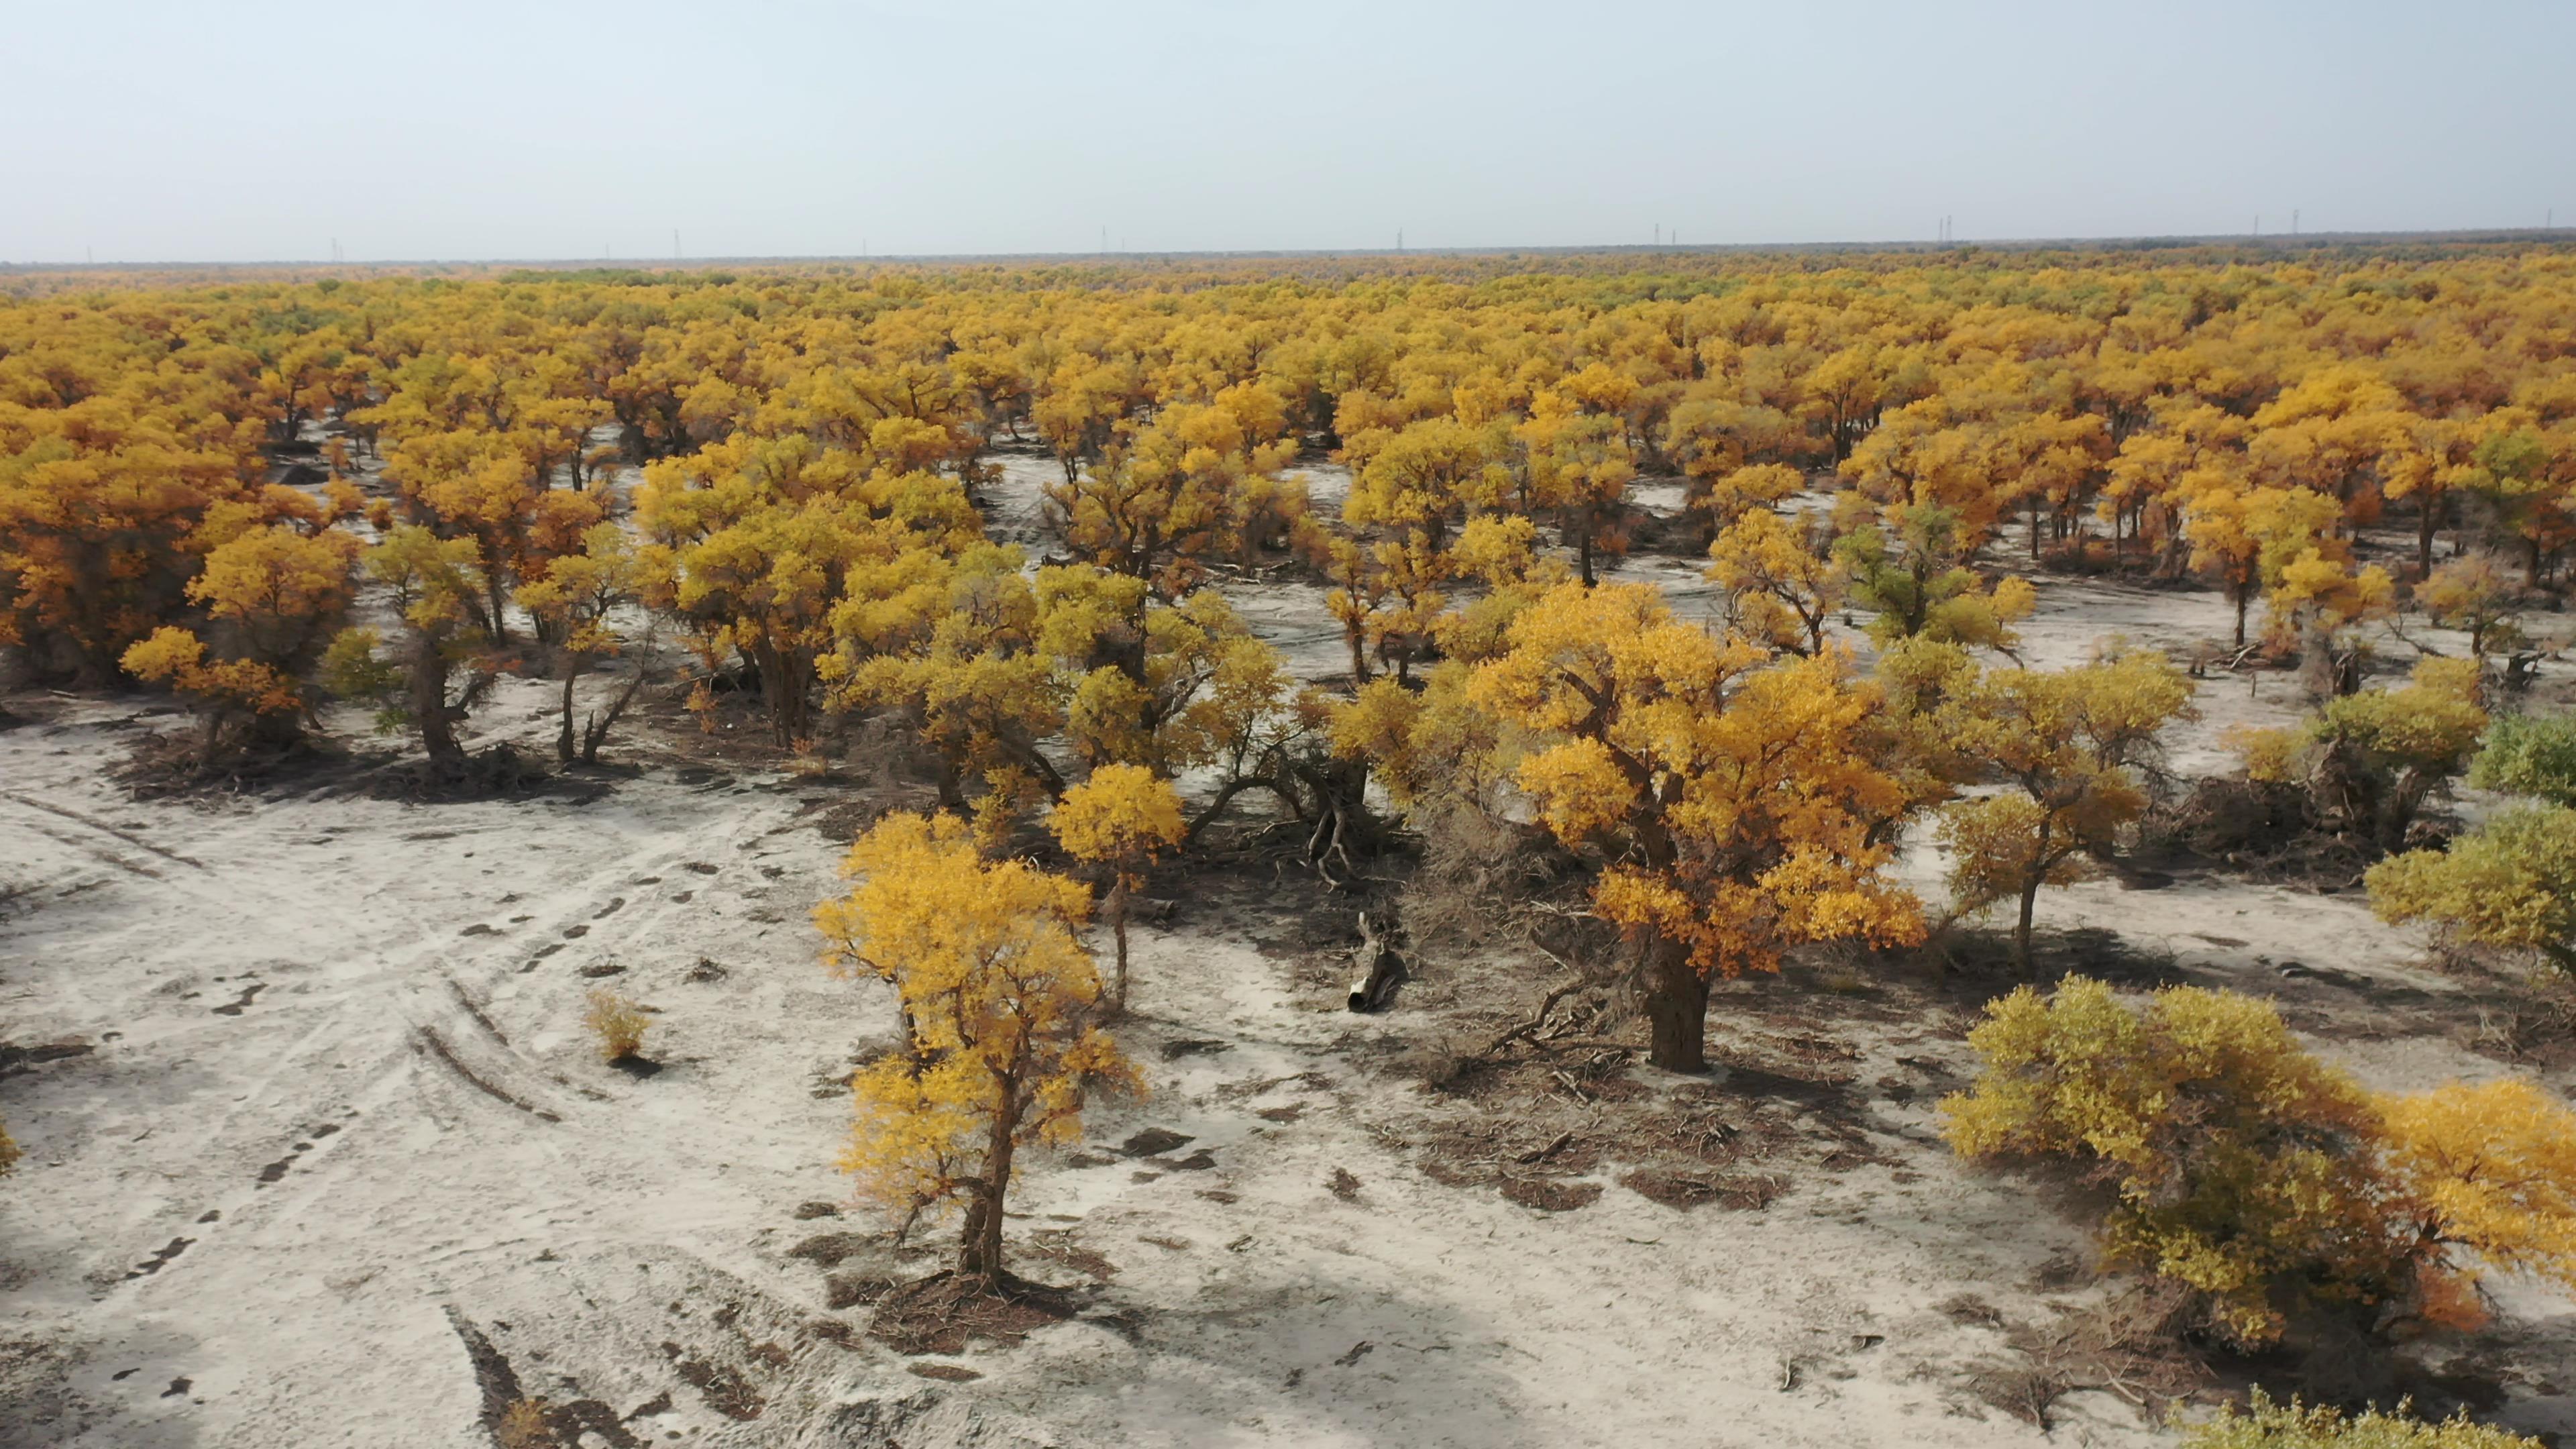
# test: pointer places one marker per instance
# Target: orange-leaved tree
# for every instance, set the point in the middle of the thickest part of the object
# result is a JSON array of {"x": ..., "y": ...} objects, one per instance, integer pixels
[
  {"x": 997, "y": 993},
  {"x": 1737, "y": 807}
]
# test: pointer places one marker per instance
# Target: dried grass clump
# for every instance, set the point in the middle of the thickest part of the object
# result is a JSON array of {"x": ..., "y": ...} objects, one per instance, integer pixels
[
  {"x": 524, "y": 1426},
  {"x": 618, "y": 1023}
]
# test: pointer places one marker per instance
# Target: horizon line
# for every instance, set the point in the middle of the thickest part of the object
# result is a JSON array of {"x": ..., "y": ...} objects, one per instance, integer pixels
[{"x": 1956, "y": 244}]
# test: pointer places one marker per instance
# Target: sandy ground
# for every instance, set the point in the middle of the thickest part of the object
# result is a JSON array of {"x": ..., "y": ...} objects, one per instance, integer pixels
[{"x": 318, "y": 1152}]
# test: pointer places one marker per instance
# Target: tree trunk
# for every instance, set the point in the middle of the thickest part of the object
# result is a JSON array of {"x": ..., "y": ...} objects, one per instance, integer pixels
[
  {"x": 1677, "y": 1010},
  {"x": 1118, "y": 932},
  {"x": 563, "y": 737},
  {"x": 2021, "y": 928},
  {"x": 429, "y": 707},
  {"x": 2429, "y": 503},
  {"x": 979, "y": 1251}
]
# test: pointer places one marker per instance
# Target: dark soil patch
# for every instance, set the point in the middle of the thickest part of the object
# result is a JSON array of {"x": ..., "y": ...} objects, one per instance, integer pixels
[
  {"x": 943, "y": 1313},
  {"x": 1153, "y": 1142},
  {"x": 828, "y": 1250},
  {"x": 15, "y": 1059},
  {"x": 1551, "y": 1194},
  {"x": 569, "y": 1422},
  {"x": 1684, "y": 1190},
  {"x": 945, "y": 1372},
  {"x": 721, "y": 1385}
]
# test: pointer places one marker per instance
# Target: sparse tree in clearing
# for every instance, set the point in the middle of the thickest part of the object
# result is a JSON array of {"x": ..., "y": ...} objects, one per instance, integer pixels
[
  {"x": 2529, "y": 754},
  {"x": 998, "y": 997},
  {"x": 574, "y": 599},
  {"x": 1737, "y": 809},
  {"x": 2065, "y": 745},
  {"x": 434, "y": 587},
  {"x": 2510, "y": 884},
  {"x": 2243, "y": 538},
  {"x": 1119, "y": 819},
  {"x": 2472, "y": 595}
]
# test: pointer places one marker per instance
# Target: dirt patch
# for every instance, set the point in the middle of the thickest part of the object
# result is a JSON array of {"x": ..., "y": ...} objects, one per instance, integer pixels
[
  {"x": 1551, "y": 1195},
  {"x": 829, "y": 1250},
  {"x": 722, "y": 1386},
  {"x": 1685, "y": 1190}
]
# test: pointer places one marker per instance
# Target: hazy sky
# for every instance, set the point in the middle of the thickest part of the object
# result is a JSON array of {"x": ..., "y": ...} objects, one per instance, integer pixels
[{"x": 253, "y": 130}]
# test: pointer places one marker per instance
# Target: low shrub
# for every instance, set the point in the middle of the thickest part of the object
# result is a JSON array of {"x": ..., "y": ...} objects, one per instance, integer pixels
[
  {"x": 618, "y": 1023},
  {"x": 2291, "y": 1426}
]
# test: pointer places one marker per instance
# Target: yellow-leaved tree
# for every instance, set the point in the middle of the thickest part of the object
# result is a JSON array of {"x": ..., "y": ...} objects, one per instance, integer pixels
[
  {"x": 433, "y": 585},
  {"x": 1738, "y": 807},
  {"x": 2276, "y": 1190},
  {"x": 998, "y": 1000},
  {"x": 273, "y": 597},
  {"x": 2509, "y": 884},
  {"x": 1119, "y": 819},
  {"x": 572, "y": 603},
  {"x": 2489, "y": 1174},
  {"x": 2065, "y": 745}
]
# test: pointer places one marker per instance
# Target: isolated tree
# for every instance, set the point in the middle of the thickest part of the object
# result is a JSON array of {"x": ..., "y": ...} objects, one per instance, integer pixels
[
  {"x": 2065, "y": 746},
  {"x": 2510, "y": 884},
  {"x": 998, "y": 997},
  {"x": 574, "y": 600},
  {"x": 1119, "y": 819},
  {"x": 1736, "y": 809},
  {"x": 2243, "y": 538}
]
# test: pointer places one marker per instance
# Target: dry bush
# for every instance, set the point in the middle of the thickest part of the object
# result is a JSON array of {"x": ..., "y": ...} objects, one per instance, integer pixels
[
  {"x": 524, "y": 1426},
  {"x": 618, "y": 1023},
  {"x": 8, "y": 1150},
  {"x": 1477, "y": 879}
]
